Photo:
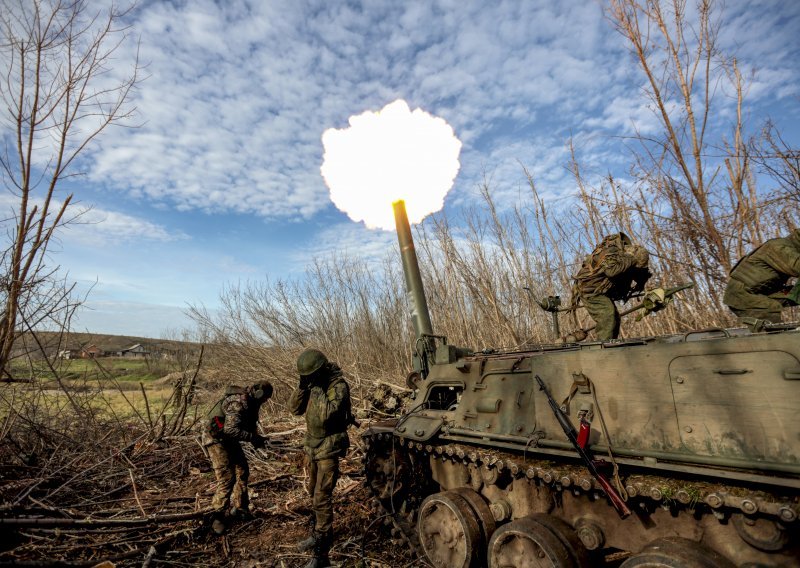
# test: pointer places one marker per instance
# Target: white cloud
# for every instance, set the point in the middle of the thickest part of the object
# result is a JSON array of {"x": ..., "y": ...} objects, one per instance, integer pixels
[
  {"x": 240, "y": 92},
  {"x": 95, "y": 226},
  {"x": 627, "y": 115},
  {"x": 237, "y": 101},
  {"x": 98, "y": 227}
]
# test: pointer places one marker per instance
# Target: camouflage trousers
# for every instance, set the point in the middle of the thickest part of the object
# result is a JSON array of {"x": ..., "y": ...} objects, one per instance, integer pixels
[
  {"x": 605, "y": 315},
  {"x": 322, "y": 476},
  {"x": 232, "y": 473},
  {"x": 746, "y": 304}
]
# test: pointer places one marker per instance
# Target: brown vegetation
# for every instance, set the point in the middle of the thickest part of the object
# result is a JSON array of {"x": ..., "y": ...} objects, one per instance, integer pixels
[
  {"x": 697, "y": 195},
  {"x": 693, "y": 197},
  {"x": 139, "y": 493}
]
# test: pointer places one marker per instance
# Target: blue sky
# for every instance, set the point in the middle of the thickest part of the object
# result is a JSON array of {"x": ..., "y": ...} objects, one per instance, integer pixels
[{"x": 221, "y": 181}]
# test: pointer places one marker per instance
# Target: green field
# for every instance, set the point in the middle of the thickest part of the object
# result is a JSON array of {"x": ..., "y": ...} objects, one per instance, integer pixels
[
  {"x": 108, "y": 402},
  {"x": 124, "y": 369},
  {"x": 117, "y": 387}
]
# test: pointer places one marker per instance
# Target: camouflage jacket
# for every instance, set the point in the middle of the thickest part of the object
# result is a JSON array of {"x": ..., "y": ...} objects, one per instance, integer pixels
[
  {"x": 610, "y": 271},
  {"x": 326, "y": 404},
  {"x": 768, "y": 268},
  {"x": 237, "y": 412}
]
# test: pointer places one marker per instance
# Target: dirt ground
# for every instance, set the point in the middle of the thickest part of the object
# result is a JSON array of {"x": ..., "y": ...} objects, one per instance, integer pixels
[
  {"x": 281, "y": 518},
  {"x": 173, "y": 479}
]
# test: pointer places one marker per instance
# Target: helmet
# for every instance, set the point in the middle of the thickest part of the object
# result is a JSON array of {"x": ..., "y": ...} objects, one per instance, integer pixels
[
  {"x": 261, "y": 391},
  {"x": 616, "y": 239},
  {"x": 640, "y": 255},
  {"x": 310, "y": 361}
]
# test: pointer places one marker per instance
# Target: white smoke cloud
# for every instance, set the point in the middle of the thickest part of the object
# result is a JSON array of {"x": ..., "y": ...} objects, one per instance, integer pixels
[{"x": 391, "y": 154}]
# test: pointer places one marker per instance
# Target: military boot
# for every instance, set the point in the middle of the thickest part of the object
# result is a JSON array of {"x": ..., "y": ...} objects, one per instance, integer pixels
[
  {"x": 321, "y": 548},
  {"x": 240, "y": 514},
  {"x": 308, "y": 543},
  {"x": 218, "y": 524}
]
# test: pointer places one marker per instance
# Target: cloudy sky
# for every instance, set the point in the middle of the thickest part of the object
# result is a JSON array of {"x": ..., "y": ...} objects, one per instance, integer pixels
[{"x": 221, "y": 180}]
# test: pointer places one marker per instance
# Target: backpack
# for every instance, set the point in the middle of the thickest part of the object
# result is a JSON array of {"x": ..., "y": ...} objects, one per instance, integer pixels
[{"x": 216, "y": 416}]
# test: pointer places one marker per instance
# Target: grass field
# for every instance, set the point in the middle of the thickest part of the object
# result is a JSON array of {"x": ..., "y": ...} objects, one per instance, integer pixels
[
  {"x": 124, "y": 369},
  {"x": 109, "y": 387},
  {"x": 110, "y": 402}
]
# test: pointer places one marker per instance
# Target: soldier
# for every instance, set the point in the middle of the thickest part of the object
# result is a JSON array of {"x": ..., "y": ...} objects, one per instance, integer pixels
[
  {"x": 757, "y": 288},
  {"x": 324, "y": 397},
  {"x": 615, "y": 269},
  {"x": 233, "y": 420}
]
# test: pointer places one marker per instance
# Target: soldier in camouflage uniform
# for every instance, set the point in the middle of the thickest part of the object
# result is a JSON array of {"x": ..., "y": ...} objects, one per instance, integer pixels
[
  {"x": 758, "y": 285},
  {"x": 615, "y": 269},
  {"x": 233, "y": 420},
  {"x": 324, "y": 397}
]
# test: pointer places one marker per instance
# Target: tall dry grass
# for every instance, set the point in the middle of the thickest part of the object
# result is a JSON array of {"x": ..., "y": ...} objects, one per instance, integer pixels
[
  {"x": 698, "y": 193},
  {"x": 482, "y": 274}
]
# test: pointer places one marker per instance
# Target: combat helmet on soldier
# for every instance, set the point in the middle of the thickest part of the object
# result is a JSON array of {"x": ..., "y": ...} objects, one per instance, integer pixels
[
  {"x": 261, "y": 391},
  {"x": 641, "y": 258},
  {"x": 310, "y": 361}
]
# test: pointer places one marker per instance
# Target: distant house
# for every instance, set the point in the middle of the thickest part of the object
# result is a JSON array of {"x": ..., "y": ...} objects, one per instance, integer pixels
[
  {"x": 137, "y": 350},
  {"x": 66, "y": 354},
  {"x": 91, "y": 352}
]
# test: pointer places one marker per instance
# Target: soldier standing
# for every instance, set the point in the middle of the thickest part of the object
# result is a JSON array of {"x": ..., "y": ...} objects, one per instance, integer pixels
[
  {"x": 324, "y": 397},
  {"x": 234, "y": 419},
  {"x": 757, "y": 288},
  {"x": 615, "y": 269}
]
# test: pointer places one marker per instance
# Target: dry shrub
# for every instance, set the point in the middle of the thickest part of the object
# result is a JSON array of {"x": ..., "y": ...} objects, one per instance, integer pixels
[{"x": 691, "y": 196}]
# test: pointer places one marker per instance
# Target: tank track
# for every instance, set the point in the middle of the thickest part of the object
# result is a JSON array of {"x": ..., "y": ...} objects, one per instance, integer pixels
[
  {"x": 399, "y": 510},
  {"x": 645, "y": 491}
]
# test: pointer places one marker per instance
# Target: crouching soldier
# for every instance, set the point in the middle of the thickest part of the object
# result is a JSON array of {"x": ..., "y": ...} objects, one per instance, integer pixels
[
  {"x": 234, "y": 419},
  {"x": 759, "y": 284},
  {"x": 614, "y": 271},
  {"x": 324, "y": 397}
]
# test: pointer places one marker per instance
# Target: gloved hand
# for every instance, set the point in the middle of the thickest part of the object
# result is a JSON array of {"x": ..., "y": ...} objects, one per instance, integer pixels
[
  {"x": 654, "y": 300},
  {"x": 259, "y": 441}
]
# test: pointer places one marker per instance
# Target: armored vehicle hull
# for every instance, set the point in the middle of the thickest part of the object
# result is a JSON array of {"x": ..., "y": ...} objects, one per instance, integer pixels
[{"x": 698, "y": 432}]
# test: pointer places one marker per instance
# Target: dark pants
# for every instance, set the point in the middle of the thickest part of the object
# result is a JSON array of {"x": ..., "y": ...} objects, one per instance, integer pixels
[
  {"x": 322, "y": 476},
  {"x": 605, "y": 314},
  {"x": 232, "y": 473}
]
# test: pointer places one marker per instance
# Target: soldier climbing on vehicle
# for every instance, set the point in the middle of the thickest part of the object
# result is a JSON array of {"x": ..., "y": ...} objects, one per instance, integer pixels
[
  {"x": 234, "y": 419},
  {"x": 758, "y": 288},
  {"x": 614, "y": 271}
]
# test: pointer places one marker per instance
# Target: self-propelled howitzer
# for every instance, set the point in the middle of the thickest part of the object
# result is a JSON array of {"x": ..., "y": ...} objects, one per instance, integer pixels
[{"x": 697, "y": 434}]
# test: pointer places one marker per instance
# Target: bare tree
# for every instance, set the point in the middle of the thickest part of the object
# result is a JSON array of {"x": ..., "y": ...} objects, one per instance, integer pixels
[
  {"x": 58, "y": 95},
  {"x": 781, "y": 162},
  {"x": 697, "y": 169},
  {"x": 694, "y": 203}
]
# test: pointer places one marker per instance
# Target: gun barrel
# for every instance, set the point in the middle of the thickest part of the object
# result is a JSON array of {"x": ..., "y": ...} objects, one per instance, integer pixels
[{"x": 420, "y": 315}]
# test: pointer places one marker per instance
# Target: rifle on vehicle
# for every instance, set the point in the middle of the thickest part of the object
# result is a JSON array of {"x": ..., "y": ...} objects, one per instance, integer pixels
[{"x": 588, "y": 460}]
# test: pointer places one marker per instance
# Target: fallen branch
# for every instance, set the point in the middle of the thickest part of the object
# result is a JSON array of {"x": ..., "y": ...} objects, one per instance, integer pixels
[{"x": 53, "y": 522}]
